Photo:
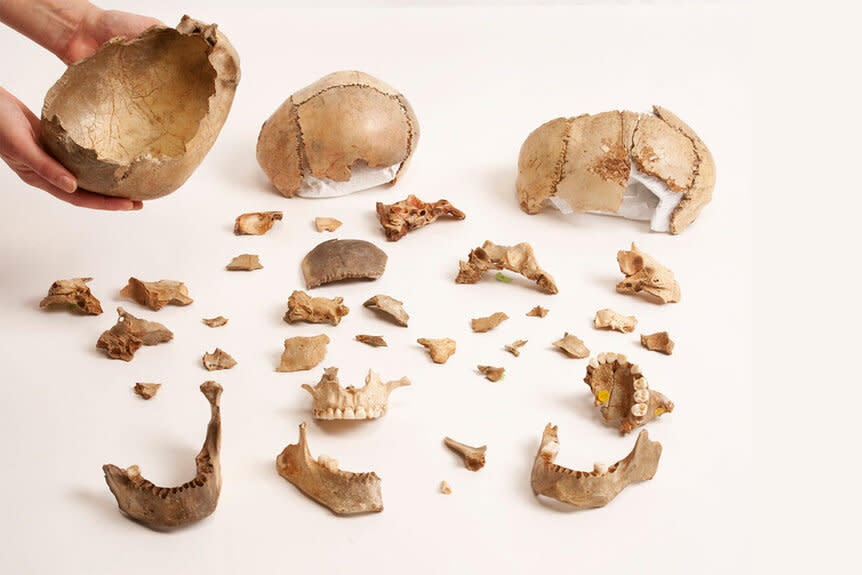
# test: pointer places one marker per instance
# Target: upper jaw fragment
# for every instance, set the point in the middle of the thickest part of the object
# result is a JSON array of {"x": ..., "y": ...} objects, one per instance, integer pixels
[
  {"x": 644, "y": 273},
  {"x": 331, "y": 401}
]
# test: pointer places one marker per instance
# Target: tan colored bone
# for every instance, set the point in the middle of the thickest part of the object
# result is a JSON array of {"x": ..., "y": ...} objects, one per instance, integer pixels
[
  {"x": 440, "y": 350},
  {"x": 514, "y": 347},
  {"x": 244, "y": 263},
  {"x": 644, "y": 273},
  {"x": 474, "y": 457},
  {"x": 573, "y": 346},
  {"x": 343, "y": 492},
  {"x": 303, "y": 307},
  {"x": 72, "y": 292},
  {"x": 445, "y": 488},
  {"x": 217, "y": 321},
  {"x": 175, "y": 506},
  {"x": 538, "y": 311},
  {"x": 156, "y": 295},
  {"x": 326, "y": 224},
  {"x": 407, "y": 215},
  {"x": 622, "y": 392},
  {"x": 129, "y": 334},
  {"x": 255, "y": 223},
  {"x": 518, "y": 258},
  {"x": 659, "y": 341},
  {"x": 609, "y": 319},
  {"x": 492, "y": 373},
  {"x": 483, "y": 324},
  {"x": 372, "y": 340},
  {"x": 336, "y": 260},
  {"x": 331, "y": 401},
  {"x": 219, "y": 359},
  {"x": 302, "y": 353},
  {"x": 147, "y": 390},
  {"x": 596, "y": 488},
  {"x": 389, "y": 306}
]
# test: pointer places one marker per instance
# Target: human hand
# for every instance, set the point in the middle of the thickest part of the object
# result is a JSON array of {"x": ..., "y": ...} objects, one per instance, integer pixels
[
  {"x": 20, "y": 149},
  {"x": 97, "y": 26}
]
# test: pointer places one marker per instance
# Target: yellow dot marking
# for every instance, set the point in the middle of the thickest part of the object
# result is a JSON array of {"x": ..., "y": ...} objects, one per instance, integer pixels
[
  {"x": 604, "y": 395},
  {"x": 659, "y": 411}
]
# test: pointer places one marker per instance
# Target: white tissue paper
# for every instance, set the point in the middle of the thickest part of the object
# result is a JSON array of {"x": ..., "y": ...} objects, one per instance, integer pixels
[{"x": 361, "y": 178}]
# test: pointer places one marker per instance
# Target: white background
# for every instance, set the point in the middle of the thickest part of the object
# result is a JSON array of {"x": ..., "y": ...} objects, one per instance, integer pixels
[{"x": 480, "y": 79}]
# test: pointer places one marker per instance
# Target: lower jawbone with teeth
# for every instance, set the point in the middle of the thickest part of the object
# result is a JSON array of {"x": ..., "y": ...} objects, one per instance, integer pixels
[{"x": 331, "y": 401}]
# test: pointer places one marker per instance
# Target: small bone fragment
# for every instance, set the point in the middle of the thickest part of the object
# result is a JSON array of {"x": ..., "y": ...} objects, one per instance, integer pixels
[
  {"x": 147, "y": 390},
  {"x": 644, "y": 273},
  {"x": 302, "y": 353},
  {"x": 217, "y": 321},
  {"x": 343, "y": 492},
  {"x": 331, "y": 401},
  {"x": 573, "y": 346},
  {"x": 407, "y": 215},
  {"x": 255, "y": 223},
  {"x": 156, "y": 295},
  {"x": 326, "y": 224},
  {"x": 336, "y": 260},
  {"x": 303, "y": 307},
  {"x": 445, "y": 489},
  {"x": 518, "y": 258},
  {"x": 483, "y": 324},
  {"x": 390, "y": 306},
  {"x": 622, "y": 392},
  {"x": 219, "y": 359},
  {"x": 538, "y": 311},
  {"x": 174, "y": 506},
  {"x": 474, "y": 457},
  {"x": 439, "y": 349},
  {"x": 244, "y": 263},
  {"x": 129, "y": 334},
  {"x": 590, "y": 489},
  {"x": 513, "y": 347},
  {"x": 75, "y": 293},
  {"x": 659, "y": 341},
  {"x": 372, "y": 340},
  {"x": 492, "y": 373},
  {"x": 609, "y": 319}
]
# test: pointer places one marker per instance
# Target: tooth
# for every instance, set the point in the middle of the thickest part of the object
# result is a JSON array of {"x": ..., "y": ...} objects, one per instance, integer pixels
[
  {"x": 348, "y": 413},
  {"x": 610, "y": 357},
  {"x": 338, "y": 413},
  {"x": 601, "y": 357},
  {"x": 361, "y": 413},
  {"x": 594, "y": 363},
  {"x": 640, "y": 383},
  {"x": 635, "y": 369},
  {"x": 600, "y": 468},
  {"x": 641, "y": 396},
  {"x": 621, "y": 357},
  {"x": 639, "y": 409}
]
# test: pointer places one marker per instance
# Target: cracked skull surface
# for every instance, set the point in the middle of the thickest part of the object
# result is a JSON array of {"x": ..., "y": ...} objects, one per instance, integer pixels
[
  {"x": 337, "y": 260},
  {"x": 156, "y": 295},
  {"x": 639, "y": 166},
  {"x": 331, "y": 401},
  {"x": 136, "y": 118},
  {"x": 344, "y": 133}
]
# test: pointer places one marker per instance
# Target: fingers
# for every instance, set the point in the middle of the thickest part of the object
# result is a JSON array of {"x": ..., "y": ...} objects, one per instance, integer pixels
[
  {"x": 81, "y": 198},
  {"x": 24, "y": 149}
]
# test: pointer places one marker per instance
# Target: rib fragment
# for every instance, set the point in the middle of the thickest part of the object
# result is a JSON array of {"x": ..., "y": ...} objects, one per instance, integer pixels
[
  {"x": 129, "y": 334},
  {"x": 407, "y": 215},
  {"x": 591, "y": 489},
  {"x": 255, "y": 223},
  {"x": 219, "y": 359},
  {"x": 174, "y": 506},
  {"x": 439, "y": 349},
  {"x": 244, "y": 263},
  {"x": 492, "y": 373},
  {"x": 644, "y": 273},
  {"x": 518, "y": 258},
  {"x": 336, "y": 260},
  {"x": 659, "y": 341},
  {"x": 573, "y": 346},
  {"x": 474, "y": 457},
  {"x": 343, "y": 492},
  {"x": 331, "y": 401},
  {"x": 147, "y": 390},
  {"x": 326, "y": 224},
  {"x": 217, "y": 321},
  {"x": 514, "y": 347},
  {"x": 483, "y": 324},
  {"x": 302, "y": 353},
  {"x": 538, "y": 311},
  {"x": 156, "y": 295},
  {"x": 73, "y": 293},
  {"x": 389, "y": 306},
  {"x": 372, "y": 340},
  {"x": 622, "y": 392},
  {"x": 609, "y": 319},
  {"x": 303, "y": 307}
]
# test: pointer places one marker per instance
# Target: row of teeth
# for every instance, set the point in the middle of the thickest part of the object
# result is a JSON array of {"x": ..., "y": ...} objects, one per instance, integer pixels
[
  {"x": 641, "y": 397},
  {"x": 607, "y": 358},
  {"x": 600, "y": 468},
  {"x": 349, "y": 413}
]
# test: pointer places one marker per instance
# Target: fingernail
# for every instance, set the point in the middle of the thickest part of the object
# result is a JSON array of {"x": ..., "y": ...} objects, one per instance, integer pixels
[{"x": 68, "y": 184}]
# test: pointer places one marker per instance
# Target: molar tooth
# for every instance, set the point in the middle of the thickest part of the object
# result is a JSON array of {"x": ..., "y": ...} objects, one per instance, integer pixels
[
  {"x": 600, "y": 468},
  {"x": 641, "y": 396},
  {"x": 601, "y": 357},
  {"x": 639, "y": 409},
  {"x": 594, "y": 363},
  {"x": 641, "y": 384},
  {"x": 610, "y": 357},
  {"x": 621, "y": 358},
  {"x": 635, "y": 369}
]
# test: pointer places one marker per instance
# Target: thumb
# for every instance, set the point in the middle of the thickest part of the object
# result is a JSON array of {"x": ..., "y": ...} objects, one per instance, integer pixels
[{"x": 25, "y": 148}]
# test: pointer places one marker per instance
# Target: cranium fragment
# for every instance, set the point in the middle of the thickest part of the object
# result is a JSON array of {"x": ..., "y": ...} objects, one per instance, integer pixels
[
  {"x": 590, "y": 489},
  {"x": 255, "y": 223},
  {"x": 217, "y": 321},
  {"x": 156, "y": 295},
  {"x": 474, "y": 457},
  {"x": 609, "y": 319},
  {"x": 343, "y": 492},
  {"x": 174, "y": 506},
  {"x": 622, "y": 392},
  {"x": 219, "y": 359},
  {"x": 244, "y": 263},
  {"x": 147, "y": 390},
  {"x": 515, "y": 347},
  {"x": 389, "y": 306},
  {"x": 445, "y": 488},
  {"x": 73, "y": 293},
  {"x": 573, "y": 346},
  {"x": 326, "y": 224},
  {"x": 411, "y": 214},
  {"x": 537, "y": 311},
  {"x": 336, "y": 260},
  {"x": 439, "y": 349},
  {"x": 492, "y": 373},
  {"x": 483, "y": 324},
  {"x": 518, "y": 258},
  {"x": 372, "y": 340},
  {"x": 644, "y": 273},
  {"x": 136, "y": 118},
  {"x": 303, "y": 307},
  {"x": 129, "y": 334},
  {"x": 344, "y": 133},
  {"x": 302, "y": 353},
  {"x": 331, "y": 401},
  {"x": 659, "y": 341},
  {"x": 639, "y": 166}
]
